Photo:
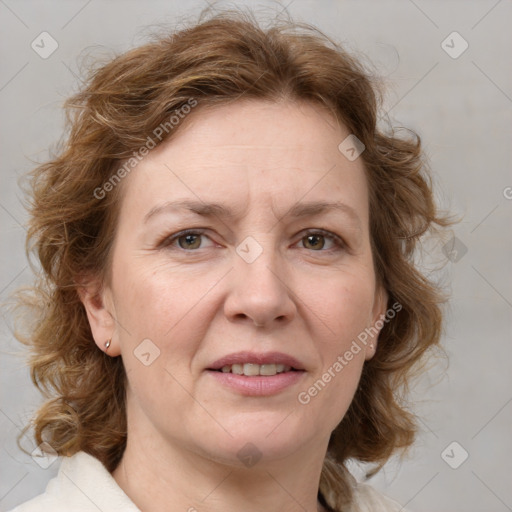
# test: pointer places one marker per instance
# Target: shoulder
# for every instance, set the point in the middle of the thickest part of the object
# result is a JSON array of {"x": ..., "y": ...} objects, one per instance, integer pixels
[
  {"x": 368, "y": 499},
  {"x": 83, "y": 484}
]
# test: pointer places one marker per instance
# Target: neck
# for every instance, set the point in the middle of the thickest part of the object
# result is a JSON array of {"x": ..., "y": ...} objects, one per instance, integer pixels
[{"x": 173, "y": 478}]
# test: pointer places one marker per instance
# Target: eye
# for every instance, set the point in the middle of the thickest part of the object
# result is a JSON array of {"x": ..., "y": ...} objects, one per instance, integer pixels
[
  {"x": 318, "y": 239},
  {"x": 187, "y": 240},
  {"x": 190, "y": 241}
]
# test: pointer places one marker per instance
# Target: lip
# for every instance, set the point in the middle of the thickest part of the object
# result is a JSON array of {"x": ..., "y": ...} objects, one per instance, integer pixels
[
  {"x": 257, "y": 358},
  {"x": 257, "y": 385}
]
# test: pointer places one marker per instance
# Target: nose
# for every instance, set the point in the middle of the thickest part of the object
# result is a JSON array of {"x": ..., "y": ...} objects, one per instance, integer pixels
[{"x": 260, "y": 293}]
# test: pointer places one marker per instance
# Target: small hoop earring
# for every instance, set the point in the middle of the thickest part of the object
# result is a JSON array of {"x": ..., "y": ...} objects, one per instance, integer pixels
[{"x": 107, "y": 344}]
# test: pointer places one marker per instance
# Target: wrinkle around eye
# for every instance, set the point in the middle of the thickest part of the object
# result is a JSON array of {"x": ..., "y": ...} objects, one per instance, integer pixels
[
  {"x": 338, "y": 244},
  {"x": 169, "y": 242}
]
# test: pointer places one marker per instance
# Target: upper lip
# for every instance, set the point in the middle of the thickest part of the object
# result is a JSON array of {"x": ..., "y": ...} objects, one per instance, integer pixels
[{"x": 257, "y": 358}]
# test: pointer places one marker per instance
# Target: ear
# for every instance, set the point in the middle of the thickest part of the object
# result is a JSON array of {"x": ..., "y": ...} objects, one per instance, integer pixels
[
  {"x": 98, "y": 304},
  {"x": 377, "y": 321}
]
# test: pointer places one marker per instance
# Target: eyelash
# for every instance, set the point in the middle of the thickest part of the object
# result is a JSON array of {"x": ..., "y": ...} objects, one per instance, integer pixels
[{"x": 338, "y": 242}]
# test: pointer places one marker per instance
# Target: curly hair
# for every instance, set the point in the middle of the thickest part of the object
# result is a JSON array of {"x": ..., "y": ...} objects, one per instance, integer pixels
[{"x": 217, "y": 61}]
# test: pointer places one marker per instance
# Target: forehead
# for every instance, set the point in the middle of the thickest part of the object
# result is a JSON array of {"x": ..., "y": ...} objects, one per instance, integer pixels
[
  {"x": 260, "y": 133},
  {"x": 252, "y": 152}
]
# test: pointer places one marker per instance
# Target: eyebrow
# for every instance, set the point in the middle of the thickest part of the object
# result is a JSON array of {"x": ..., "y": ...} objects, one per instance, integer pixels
[
  {"x": 197, "y": 207},
  {"x": 218, "y": 210},
  {"x": 318, "y": 208}
]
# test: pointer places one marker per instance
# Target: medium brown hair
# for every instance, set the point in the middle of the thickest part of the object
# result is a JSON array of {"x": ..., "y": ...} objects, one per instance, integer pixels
[{"x": 219, "y": 60}]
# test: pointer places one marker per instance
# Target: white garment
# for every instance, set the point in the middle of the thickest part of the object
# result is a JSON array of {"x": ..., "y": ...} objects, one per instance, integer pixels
[{"x": 83, "y": 484}]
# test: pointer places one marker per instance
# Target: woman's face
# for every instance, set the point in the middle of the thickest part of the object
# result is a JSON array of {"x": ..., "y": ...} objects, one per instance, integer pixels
[{"x": 276, "y": 270}]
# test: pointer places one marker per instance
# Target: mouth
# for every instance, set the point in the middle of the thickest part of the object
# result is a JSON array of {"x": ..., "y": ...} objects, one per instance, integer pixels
[
  {"x": 253, "y": 374},
  {"x": 252, "y": 364},
  {"x": 256, "y": 370}
]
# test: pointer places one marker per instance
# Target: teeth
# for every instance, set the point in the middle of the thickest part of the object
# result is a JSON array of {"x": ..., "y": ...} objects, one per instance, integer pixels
[
  {"x": 238, "y": 369},
  {"x": 253, "y": 370},
  {"x": 268, "y": 369}
]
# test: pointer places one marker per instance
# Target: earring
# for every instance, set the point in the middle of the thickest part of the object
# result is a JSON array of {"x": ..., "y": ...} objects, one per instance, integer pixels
[
  {"x": 371, "y": 346},
  {"x": 107, "y": 344}
]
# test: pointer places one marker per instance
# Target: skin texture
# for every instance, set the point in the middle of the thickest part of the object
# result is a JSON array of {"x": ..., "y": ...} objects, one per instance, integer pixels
[{"x": 308, "y": 298}]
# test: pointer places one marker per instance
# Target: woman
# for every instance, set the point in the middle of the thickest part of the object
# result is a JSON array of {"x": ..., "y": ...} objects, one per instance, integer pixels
[{"x": 229, "y": 308}]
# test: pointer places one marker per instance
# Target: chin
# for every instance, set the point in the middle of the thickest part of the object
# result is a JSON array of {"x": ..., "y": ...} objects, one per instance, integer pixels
[{"x": 253, "y": 439}]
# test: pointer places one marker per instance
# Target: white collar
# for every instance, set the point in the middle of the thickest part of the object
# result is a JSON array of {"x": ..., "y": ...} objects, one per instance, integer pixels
[{"x": 82, "y": 484}]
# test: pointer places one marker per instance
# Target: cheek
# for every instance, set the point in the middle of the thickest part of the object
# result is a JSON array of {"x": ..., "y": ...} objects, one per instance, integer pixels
[
  {"x": 159, "y": 333},
  {"x": 173, "y": 309},
  {"x": 330, "y": 394},
  {"x": 343, "y": 307},
  {"x": 344, "y": 311},
  {"x": 155, "y": 339},
  {"x": 153, "y": 301}
]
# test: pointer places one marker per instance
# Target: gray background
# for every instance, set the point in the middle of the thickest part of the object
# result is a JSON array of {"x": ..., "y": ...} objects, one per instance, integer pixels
[{"x": 462, "y": 109}]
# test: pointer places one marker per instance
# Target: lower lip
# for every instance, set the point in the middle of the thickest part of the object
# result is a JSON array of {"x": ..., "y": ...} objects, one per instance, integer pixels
[{"x": 258, "y": 385}]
